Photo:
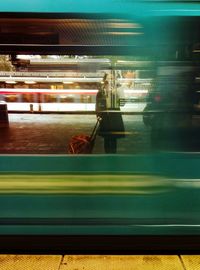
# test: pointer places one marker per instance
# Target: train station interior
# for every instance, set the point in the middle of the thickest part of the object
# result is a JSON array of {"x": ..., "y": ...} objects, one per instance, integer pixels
[{"x": 99, "y": 135}]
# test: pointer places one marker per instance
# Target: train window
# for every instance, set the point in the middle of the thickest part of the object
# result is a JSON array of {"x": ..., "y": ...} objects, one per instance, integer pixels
[
  {"x": 11, "y": 98},
  {"x": 27, "y": 97},
  {"x": 86, "y": 99},
  {"x": 49, "y": 98},
  {"x": 59, "y": 86},
  {"x": 66, "y": 98}
]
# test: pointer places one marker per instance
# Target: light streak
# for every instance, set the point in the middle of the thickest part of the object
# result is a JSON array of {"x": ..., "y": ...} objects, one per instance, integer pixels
[{"x": 47, "y": 91}]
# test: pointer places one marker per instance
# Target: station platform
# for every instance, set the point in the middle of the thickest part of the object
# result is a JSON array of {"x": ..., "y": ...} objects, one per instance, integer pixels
[
  {"x": 97, "y": 262},
  {"x": 51, "y": 133},
  {"x": 42, "y": 133}
]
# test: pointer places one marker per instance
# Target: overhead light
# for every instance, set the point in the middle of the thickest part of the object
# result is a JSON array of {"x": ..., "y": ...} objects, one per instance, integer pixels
[
  {"x": 67, "y": 82},
  {"x": 10, "y": 82},
  {"x": 29, "y": 82},
  {"x": 28, "y": 57}
]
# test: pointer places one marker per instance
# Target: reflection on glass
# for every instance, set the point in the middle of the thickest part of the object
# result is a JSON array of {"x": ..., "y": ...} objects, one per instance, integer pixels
[{"x": 145, "y": 106}]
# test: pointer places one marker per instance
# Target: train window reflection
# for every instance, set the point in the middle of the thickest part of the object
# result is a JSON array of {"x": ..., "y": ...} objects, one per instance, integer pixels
[{"x": 144, "y": 106}]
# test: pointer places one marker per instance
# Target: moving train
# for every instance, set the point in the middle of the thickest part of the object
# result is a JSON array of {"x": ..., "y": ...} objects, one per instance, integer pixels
[
  {"x": 47, "y": 100},
  {"x": 49, "y": 92},
  {"x": 106, "y": 203}
]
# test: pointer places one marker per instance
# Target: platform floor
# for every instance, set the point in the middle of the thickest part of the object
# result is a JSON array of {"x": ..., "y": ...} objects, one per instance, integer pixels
[
  {"x": 51, "y": 134},
  {"x": 99, "y": 262}
]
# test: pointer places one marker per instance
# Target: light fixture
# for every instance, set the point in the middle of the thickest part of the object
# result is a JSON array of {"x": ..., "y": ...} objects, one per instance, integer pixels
[
  {"x": 10, "y": 82},
  {"x": 67, "y": 82},
  {"x": 29, "y": 82}
]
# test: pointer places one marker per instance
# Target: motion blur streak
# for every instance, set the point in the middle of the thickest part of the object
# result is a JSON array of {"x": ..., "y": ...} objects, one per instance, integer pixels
[{"x": 84, "y": 184}]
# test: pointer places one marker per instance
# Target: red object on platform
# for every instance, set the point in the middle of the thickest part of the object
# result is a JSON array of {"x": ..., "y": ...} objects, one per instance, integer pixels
[{"x": 83, "y": 144}]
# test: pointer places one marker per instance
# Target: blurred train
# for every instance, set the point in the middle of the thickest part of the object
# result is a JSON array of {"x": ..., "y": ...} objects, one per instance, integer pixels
[
  {"x": 47, "y": 100},
  {"x": 107, "y": 203},
  {"x": 45, "y": 93},
  {"x": 69, "y": 90}
]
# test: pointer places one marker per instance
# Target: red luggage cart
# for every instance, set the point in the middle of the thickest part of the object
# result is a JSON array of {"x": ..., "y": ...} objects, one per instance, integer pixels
[{"x": 83, "y": 144}]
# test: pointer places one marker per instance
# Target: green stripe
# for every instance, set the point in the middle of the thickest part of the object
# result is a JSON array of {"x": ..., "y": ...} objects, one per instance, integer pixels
[{"x": 83, "y": 184}]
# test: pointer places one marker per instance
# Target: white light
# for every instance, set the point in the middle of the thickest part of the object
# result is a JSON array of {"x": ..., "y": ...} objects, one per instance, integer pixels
[
  {"x": 28, "y": 57},
  {"x": 11, "y": 82},
  {"x": 66, "y": 82},
  {"x": 123, "y": 25},
  {"x": 29, "y": 82}
]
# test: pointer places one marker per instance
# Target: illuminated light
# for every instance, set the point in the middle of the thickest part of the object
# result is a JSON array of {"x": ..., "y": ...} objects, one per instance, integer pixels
[
  {"x": 27, "y": 57},
  {"x": 135, "y": 63},
  {"x": 124, "y": 25},
  {"x": 66, "y": 82},
  {"x": 10, "y": 82},
  {"x": 29, "y": 82},
  {"x": 55, "y": 56},
  {"x": 125, "y": 62}
]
